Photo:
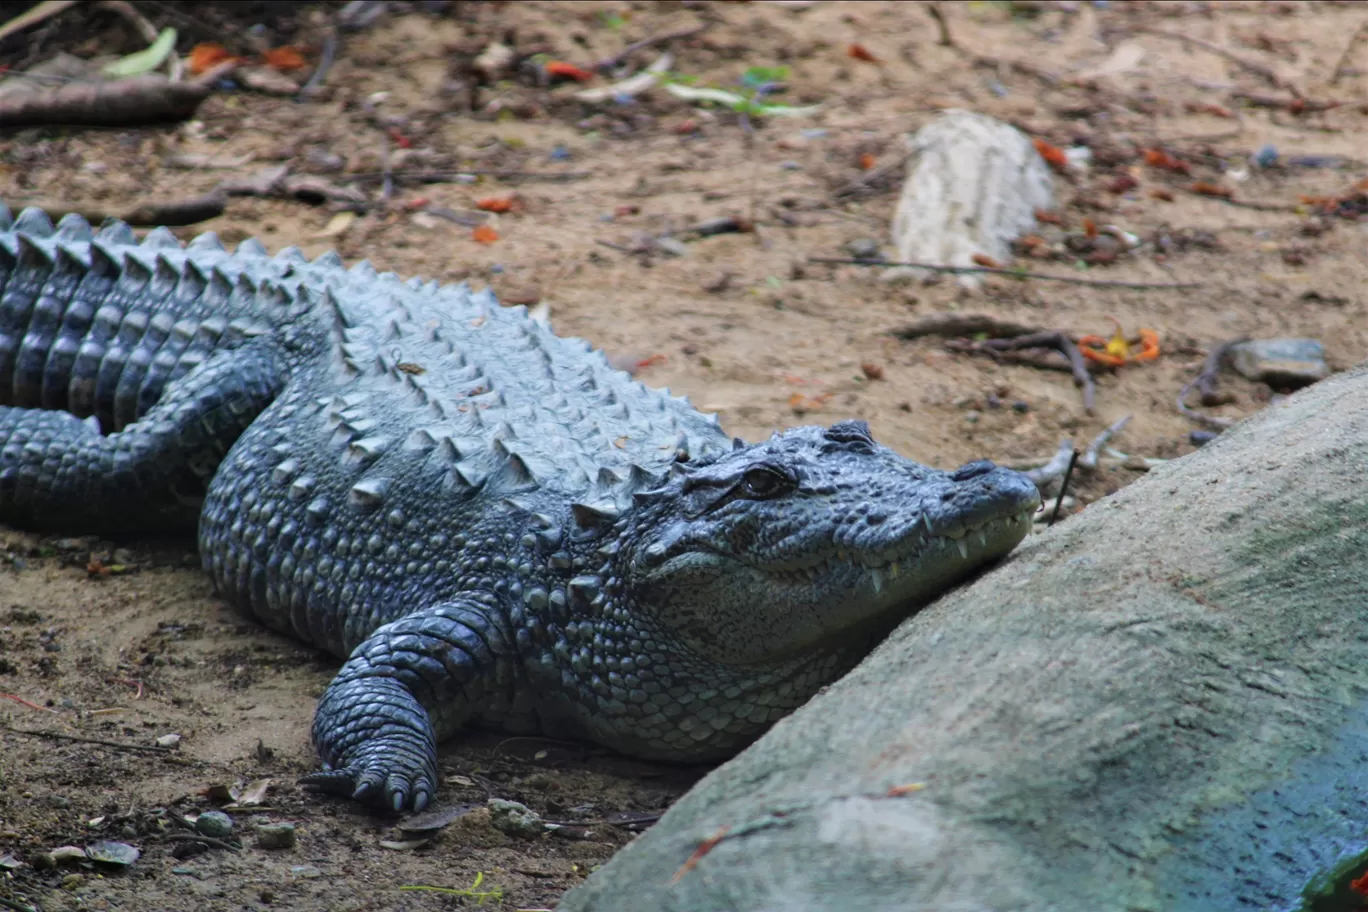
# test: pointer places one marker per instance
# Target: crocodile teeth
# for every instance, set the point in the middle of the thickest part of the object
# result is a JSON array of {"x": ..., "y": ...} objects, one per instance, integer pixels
[
  {"x": 926, "y": 521},
  {"x": 876, "y": 577},
  {"x": 894, "y": 570},
  {"x": 963, "y": 548}
]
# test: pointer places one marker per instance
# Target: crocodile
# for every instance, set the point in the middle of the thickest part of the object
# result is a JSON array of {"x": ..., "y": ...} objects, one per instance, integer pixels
[{"x": 488, "y": 523}]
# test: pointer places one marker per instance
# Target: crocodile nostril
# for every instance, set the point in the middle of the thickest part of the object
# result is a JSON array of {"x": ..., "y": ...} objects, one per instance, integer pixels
[{"x": 972, "y": 470}]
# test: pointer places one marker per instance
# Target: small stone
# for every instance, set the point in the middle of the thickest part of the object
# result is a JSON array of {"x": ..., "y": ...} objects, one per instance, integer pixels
[
  {"x": 59, "y": 801},
  {"x": 863, "y": 249},
  {"x": 214, "y": 823},
  {"x": 1281, "y": 362},
  {"x": 972, "y": 416},
  {"x": 171, "y": 740},
  {"x": 513, "y": 818},
  {"x": 1202, "y": 438},
  {"x": 307, "y": 872},
  {"x": 276, "y": 836}
]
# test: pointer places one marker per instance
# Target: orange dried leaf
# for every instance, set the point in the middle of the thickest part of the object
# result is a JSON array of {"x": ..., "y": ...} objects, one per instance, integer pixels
[
  {"x": 284, "y": 58},
  {"x": 1053, "y": 155},
  {"x": 1089, "y": 228},
  {"x": 1158, "y": 158},
  {"x": 1045, "y": 217},
  {"x": 496, "y": 203},
  {"x": 207, "y": 55},
  {"x": 1360, "y": 884},
  {"x": 983, "y": 259},
  {"x": 867, "y": 161},
  {"x": 568, "y": 71},
  {"x": 485, "y": 235},
  {"x": 860, "y": 52},
  {"x": 1207, "y": 188}
]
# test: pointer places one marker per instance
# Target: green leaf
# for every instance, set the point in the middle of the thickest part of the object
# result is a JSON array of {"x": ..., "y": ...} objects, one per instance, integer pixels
[{"x": 144, "y": 61}]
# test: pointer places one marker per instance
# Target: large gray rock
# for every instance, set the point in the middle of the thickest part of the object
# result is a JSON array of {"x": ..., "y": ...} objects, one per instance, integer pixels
[{"x": 1159, "y": 704}]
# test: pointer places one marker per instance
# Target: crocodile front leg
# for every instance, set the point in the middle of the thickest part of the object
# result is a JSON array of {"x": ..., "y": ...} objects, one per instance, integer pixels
[
  {"x": 413, "y": 683},
  {"x": 58, "y": 472}
]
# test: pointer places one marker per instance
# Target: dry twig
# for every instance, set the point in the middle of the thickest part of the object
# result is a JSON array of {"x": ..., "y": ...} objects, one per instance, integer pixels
[
  {"x": 607, "y": 63},
  {"x": 1257, "y": 69},
  {"x": 1054, "y": 339},
  {"x": 1013, "y": 273},
  {"x": 123, "y": 102},
  {"x": 58, "y": 736},
  {"x": 1342, "y": 65},
  {"x": 1205, "y": 383},
  {"x": 950, "y": 323}
]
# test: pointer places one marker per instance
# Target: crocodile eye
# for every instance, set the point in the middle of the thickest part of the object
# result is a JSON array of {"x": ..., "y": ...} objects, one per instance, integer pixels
[{"x": 761, "y": 483}]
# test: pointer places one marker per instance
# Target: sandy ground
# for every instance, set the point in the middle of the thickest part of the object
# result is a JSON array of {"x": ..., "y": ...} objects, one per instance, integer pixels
[{"x": 129, "y": 657}]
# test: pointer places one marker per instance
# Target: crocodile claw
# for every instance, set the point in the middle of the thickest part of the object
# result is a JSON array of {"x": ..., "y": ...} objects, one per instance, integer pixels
[{"x": 377, "y": 783}]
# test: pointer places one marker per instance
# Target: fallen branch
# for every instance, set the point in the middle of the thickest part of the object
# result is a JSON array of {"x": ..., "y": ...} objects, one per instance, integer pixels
[
  {"x": 444, "y": 177},
  {"x": 607, "y": 63},
  {"x": 942, "y": 26},
  {"x": 1256, "y": 68},
  {"x": 1054, "y": 339},
  {"x": 197, "y": 837},
  {"x": 169, "y": 212},
  {"x": 963, "y": 324},
  {"x": 1053, "y": 469},
  {"x": 1089, "y": 458},
  {"x": 1205, "y": 383},
  {"x": 121, "y": 103},
  {"x": 1342, "y": 65},
  {"x": 872, "y": 176},
  {"x": 1012, "y": 273},
  {"x": 57, "y": 736}
]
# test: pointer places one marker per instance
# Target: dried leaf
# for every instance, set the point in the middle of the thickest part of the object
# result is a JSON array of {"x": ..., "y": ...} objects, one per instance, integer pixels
[
  {"x": 115, "y": 853},
  {"x": 484, "y": 235},
  {"x": 1053, "y": 155},
  {"x": 404, "y": 845},
  {"x": 144, "y": 61},
  {"x": 287, "y": 58},
  {"x": 254, "y": 792},
  {"x": 568, "y": 71},
  {"x": 1158, "y": 158},
  {"x": 206, "y": 55},
  {"x": 860, "y": 52},
  {"x": 498, "y": 203},
  {"x": 336, "y": 227}
]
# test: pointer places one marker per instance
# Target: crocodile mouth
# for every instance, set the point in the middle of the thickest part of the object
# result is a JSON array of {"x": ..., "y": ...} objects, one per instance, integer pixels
[{"x": 921, "y": 558}]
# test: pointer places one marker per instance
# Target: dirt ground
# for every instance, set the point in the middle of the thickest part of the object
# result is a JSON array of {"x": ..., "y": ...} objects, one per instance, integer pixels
[{"x": 741, "y": 322}]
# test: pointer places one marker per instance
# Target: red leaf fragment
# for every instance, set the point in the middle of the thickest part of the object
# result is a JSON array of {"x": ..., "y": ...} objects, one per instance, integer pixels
[
  {"x": 568, "y": 71},
  {"x": 860, "y": 52},
  {"x": 1053, "y": 155},
  {"x": 484, "y": 235},
  {"x": 1158, "y": 158}
]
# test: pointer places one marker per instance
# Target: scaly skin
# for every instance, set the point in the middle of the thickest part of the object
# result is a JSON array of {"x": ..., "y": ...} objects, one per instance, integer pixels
[{"x": 491, "y": 525}]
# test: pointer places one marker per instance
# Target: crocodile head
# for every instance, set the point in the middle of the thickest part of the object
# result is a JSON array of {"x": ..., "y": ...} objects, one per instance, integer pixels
[{"x": 805, "y": 539}]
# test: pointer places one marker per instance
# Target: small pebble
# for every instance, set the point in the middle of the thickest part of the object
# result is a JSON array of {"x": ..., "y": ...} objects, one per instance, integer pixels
[
  {"x": 1202, "y": 438},
  {"x": 171, "y": 740},
  {"x": 1281, "y": 362},
  {"x": 214, "y": 823},
  {"x": 276, "y": 836},
  {"x": 863, "y": 249},
  {"x": 513, "y": 818},
  {"x": 972, "y": 416}
]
